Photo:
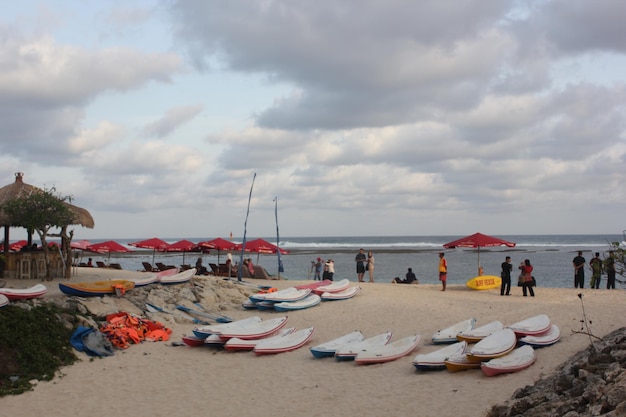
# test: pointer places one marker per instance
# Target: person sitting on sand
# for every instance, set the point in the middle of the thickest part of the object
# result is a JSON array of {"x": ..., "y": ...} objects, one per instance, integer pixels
[
  {"x": 410, "y": 278},
  {"x": 201, "y": 269}
]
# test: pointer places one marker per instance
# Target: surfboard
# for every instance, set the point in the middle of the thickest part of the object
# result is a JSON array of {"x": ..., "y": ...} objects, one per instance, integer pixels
[{"x": 484, "y": 282}]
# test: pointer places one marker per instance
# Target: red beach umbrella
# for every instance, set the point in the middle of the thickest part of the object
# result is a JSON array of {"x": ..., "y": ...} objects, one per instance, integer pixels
[
  {"x": 219, "y": 244},
  {"x": 107, "y": 247},
  {"x": 183, "y": 246},
  {"x": 262, "y": 246},
  {"x": 80, "y": 244},
  {"x": 17, "y": 246},
  {"x": 154, "y": 243},
  {"x": 478, "y": 240}
]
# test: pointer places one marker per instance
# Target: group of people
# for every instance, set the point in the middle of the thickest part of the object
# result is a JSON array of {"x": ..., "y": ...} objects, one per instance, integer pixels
[
  {"x": 323, "y": 269},
  {"x": 597, "y": 267},
  {"x": 525, "y": 280}
]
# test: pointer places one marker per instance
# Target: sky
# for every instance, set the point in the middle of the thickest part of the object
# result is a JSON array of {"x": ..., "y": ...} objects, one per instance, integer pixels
[{"x": 368, "y": 118}]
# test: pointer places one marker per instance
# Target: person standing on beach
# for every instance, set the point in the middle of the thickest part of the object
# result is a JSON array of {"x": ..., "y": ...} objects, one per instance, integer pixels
[
  {"x": 527, "y": 277},
  {"x": 579, "y": 270},
  {"x": 443, "y": 270},
  {"x": 370, "y": 265},
  {"x": 505, "y": 287},
  {"x": 330, "y": 266},
  {"x": 318, "y": 270},
  {"x": 610, "y": 272},
  {"x": 360, "y": 264},
  {"x": 596, "y": 271}
]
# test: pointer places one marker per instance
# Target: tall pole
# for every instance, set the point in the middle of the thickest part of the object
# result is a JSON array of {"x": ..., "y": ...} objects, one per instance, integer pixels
[
  {"x": 245, "y": 225},
  {"x": 280, "y": 262}
]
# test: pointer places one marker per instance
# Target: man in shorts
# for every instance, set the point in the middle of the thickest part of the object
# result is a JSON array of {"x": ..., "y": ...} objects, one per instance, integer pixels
[{"x": 360, "y": 264}]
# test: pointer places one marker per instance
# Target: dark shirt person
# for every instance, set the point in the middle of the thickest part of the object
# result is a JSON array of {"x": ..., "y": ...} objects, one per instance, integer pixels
[
  {"x": 505, "y": 287},
  {"x": 579, "y": 270},
  {"x": 610, "y": 272},
  {"x": 410, "y": 278}
]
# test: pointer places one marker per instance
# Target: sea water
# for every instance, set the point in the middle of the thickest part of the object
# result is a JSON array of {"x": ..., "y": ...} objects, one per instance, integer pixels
[{"x": 550, "y": 255}]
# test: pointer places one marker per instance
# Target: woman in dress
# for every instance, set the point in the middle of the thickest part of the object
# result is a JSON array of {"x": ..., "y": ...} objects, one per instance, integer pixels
[
  {"x": 526, "y": 277},
  {"x": 370, "y": 265}
]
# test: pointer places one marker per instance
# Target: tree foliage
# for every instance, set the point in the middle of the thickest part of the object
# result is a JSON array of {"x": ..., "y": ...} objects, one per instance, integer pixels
[
  {"x": 40, "y": 212},
  {"x": 617, "y": 251}
]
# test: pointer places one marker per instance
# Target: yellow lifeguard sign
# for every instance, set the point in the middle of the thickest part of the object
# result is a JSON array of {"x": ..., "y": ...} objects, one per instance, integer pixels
[{"x": 484, "y": 282}]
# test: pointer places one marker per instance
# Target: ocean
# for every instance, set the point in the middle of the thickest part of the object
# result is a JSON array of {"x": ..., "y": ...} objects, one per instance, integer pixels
[{"x": 550, "y": 255}]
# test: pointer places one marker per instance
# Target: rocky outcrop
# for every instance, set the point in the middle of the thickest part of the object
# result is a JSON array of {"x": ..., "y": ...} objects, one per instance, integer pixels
[{"x": 590, "y": 383}]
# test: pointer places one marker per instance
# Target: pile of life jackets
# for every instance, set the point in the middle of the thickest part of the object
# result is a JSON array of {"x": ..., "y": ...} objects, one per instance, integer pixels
[{"x": 124, "y": 329}]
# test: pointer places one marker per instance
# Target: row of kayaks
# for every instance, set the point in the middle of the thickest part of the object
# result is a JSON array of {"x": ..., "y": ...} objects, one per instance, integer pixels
[
  {"x": 251, "y": 334},
  {"x": 301, "y": 297},
  {"x": 120, "y": 286}
]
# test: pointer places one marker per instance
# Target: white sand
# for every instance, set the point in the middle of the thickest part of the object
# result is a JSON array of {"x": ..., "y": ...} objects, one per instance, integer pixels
[{"x": 158, "y": 379}]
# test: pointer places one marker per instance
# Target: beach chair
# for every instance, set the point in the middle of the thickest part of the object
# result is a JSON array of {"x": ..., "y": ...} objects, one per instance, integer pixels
[
  {"x": 115, "y": 266},
  {"x": 101, "y": 264},
  {"x": 261, "y": 273},
  {"x": 214, "y": 269},
  {"x": 147, "y": 267},
  {"x": 185, "y": 267},
  {"x": 163, "y": 267}
]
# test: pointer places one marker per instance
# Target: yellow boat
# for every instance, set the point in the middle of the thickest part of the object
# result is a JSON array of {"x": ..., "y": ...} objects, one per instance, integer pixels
[
  {"x": 97, "y": 288},
  {"x": 484, "y": 282}
]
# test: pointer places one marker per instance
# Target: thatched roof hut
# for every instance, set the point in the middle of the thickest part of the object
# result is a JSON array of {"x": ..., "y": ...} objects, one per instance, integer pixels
[{"x": 20, "y": 189}]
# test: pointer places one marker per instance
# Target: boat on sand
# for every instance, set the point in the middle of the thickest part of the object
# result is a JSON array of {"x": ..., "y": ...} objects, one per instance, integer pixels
[
  {"x": 518, "y": 359},
  {"x": 389, "y": 352},
  {"x": 96, "y": 288},
  {"x": 35, "y": 291}
]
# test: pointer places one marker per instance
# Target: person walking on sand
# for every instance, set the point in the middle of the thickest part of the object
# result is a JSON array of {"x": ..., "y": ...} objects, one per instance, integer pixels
[
  {"x": 370, "y": 265},
  {"x": 360, "y": 264},
  {"x": 505, "y": 287},
  {"x": 527, "y": 277},
  {"x": 579, "y": 270},
  {"x": 596, "y": 271},
  {"x": 443, "y": 270}
]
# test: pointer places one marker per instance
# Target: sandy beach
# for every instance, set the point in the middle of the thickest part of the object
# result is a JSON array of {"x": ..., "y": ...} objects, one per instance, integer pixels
[{"x": 160, "y": 379}]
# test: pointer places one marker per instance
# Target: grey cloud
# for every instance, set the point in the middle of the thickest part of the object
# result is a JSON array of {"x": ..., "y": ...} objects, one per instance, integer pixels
[{"x": 172, "y": 119}]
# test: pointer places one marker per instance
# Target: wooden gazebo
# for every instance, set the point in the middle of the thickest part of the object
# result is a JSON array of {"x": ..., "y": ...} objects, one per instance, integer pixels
[{"x": 20, "y": 189}]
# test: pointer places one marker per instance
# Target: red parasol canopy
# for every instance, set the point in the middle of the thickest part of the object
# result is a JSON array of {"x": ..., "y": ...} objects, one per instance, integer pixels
[
  {"x": 478, "y": 240},
  {"x": 182, "y": 246},
  {"x": 154, "y": 243},
  {"x": 261, "y": 246},
  {"x": 218, "y": 244},
  {"x": 17, "y": 246},
  {"x": 80, "y": 244},
  {"x": 107, "y": 247}
]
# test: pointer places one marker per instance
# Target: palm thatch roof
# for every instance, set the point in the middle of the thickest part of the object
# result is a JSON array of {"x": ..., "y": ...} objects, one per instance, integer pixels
[{"x": 20, "y": 189}]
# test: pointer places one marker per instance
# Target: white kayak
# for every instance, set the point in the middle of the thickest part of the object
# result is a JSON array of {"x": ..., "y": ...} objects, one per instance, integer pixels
[
  {"x": 236, "y": 343},
  {"x": 310, "y": 300},
  {"x": 389, "y": 352},
  {"x": 335, "y": 286},
  {"x": 518, "y": 359},
  {"x": 144, "y": 279},
  {"x": 35, "y": 291},
  {"x": 495, "y": 345},
  {"x": 351, "y": 349},
  {"x": 341, "y": 295},
  {"x": 437, "y": 359},
  {"x": 479, "y": 333},
  {"x": 448, "y": 335},
  {"x": 178, "y": 278},
  {"x": 286, "y": 343},
  {"x": 287, "y": 294},
  {"x": 550, "y": 337},
  {"x": 205, "y": 331},
  {"x": 3, "y": 300},
  {"x": 531, "y": 326},
  {"x": 254, "y": 330},
  {"x": 329, "y": 348}
]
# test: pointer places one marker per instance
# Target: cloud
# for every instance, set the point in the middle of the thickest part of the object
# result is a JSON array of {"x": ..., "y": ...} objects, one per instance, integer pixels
[{"x": 172, "y": 119}]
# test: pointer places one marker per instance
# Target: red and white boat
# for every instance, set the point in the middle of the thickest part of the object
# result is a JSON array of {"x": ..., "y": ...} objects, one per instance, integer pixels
[
  {"x": 35, "y": 291},
  {"x": 3, "y": 300},
  {"x": 144, "y": 279},
  {"x": 313, "y": 285},
  {"x": 531, "y": 326},
  {"x": 285, "y": 295},
  {"x": 193, "y": 340},
  {"x": 209, "y": 329},
  {"x": 518, "y": 359},
  {"x": 254, "y": 331},
  {"x": 493, "y": 346},
  {"x": 449, "y": 334},
  {"x": 335, "y": 286},
  {"x": 237, "y": 344},
  {"x": 286, "y": 343},
  {"x": 389, "y": 352},
  {"x": 550, "y": 337},
  {"x": 178, "y": 278}
]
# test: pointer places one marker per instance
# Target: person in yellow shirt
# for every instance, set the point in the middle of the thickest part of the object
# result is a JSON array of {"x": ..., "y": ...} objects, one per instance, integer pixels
[{"x": 443, "y": 270}]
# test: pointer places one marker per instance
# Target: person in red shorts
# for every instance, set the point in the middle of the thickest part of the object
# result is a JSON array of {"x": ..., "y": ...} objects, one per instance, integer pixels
[{"x": 443, "y": 270}]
